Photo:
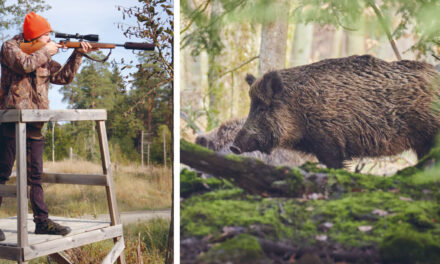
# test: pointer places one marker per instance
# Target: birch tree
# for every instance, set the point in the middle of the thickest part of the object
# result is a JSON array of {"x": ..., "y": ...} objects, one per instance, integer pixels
[
  {"x": 274, "y": 38},
  {"x": 302, "y": 44}
]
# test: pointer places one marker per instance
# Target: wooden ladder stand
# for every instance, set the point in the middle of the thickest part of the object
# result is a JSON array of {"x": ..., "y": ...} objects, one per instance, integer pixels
[{"x": 23, "y": 245}]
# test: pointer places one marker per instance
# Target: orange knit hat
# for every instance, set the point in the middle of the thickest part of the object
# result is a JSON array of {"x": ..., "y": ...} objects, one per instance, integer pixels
[{"x": 34, "y": 26}]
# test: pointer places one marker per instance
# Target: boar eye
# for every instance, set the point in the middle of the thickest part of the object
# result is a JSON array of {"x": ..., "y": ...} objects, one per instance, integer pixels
[{"x": 261, "y": 108}]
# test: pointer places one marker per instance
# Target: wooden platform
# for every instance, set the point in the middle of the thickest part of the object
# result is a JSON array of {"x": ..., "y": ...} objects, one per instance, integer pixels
[
  {"x": 22, "y": 244},
  {"x": 83, "y": 232}
]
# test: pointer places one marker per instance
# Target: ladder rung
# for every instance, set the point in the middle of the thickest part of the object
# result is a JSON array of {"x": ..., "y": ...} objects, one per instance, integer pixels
[
  {"x": 70, "y": 178},
  {"x": 8, "y": 190}
]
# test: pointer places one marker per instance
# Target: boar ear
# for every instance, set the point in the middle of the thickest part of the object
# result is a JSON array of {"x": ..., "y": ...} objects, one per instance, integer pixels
[
  {"x": 271, "y": 84},
  {"x": 250, "y": 79}
]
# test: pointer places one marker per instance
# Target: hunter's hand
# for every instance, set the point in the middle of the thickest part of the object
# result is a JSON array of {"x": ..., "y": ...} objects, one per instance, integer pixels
[
  {"x": 86, "y": 47},
  {"x": 52, "y": 47}
]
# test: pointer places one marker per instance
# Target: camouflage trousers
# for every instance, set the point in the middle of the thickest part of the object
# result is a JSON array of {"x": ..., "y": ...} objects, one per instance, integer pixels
[{"x": 34, "y": 153}]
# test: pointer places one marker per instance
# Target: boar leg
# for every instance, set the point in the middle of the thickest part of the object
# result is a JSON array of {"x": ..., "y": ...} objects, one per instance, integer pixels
[
  {"x": 423, "y": 149},
  {"x": 331, "y": 159}
]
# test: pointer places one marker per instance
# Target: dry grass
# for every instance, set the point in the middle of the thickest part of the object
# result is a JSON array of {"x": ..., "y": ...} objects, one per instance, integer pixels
[
  {"x": 136, "y": 189},
  {"x": 146, "y": 241}
]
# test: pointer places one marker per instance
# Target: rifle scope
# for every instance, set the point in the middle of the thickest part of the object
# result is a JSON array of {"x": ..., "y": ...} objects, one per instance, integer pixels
[{"x": 90, "y": 37}]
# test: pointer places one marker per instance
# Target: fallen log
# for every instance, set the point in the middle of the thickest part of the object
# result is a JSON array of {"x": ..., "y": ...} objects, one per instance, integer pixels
[
  {"x": 253, "y": 175},
  {"x": 256, "y": 177}
]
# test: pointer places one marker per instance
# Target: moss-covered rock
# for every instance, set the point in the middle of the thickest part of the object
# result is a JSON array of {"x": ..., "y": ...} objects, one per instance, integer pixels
[
  {"x": 191, "y": 183},
  {"x": 408, "y": 247},
  {"x": 243, "y": 249}
]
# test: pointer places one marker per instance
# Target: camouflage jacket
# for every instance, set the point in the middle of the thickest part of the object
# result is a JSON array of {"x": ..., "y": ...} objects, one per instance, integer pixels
[{"x": 25, "y": 78}]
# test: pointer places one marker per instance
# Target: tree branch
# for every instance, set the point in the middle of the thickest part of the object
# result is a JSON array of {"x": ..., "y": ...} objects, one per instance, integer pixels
[
  {"x": 239, "y": 66},
  {"x": 385, "y": 28},
  {"x": 192, "y": 15}
]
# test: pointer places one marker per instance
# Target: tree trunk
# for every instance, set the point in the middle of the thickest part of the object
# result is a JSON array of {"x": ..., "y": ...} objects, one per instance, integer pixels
[
  {"x": 302, "y": 44},
  {"x": 164, "y": 148},
  {"x": 142, "y": 148},
  {"x": 274, "y": 40},
  {"x": 356, "y": 40},
  {"x": 214, "y": 88},
  {"x": 337, "y": 43},
  {"x": 150, "y": 106}
]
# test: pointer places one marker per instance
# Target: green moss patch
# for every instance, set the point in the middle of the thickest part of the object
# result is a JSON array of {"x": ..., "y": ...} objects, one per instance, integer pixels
[
  {"x": 407, "y": 247},
  {"x": 396, "y": 217},
  {"x": 240, "y": 249}
]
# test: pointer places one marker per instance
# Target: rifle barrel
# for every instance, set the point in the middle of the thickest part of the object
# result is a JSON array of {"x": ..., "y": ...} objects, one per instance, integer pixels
[
  {"x": 126, "y": 45},
  {"x": 139, "y": 46}
]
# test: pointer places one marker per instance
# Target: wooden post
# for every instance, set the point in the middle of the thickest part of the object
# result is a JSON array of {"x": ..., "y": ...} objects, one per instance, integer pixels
[
  {"x": 107, "y": 170},
  {"x": 148, "y": 149},
  {"x": 164, "y": 148},
  {"x": 71, "y": 154},
  {"x": 22, "y": 208},
  {"x": 53, "y": 142},
  {"x": 142, "y": 148}
]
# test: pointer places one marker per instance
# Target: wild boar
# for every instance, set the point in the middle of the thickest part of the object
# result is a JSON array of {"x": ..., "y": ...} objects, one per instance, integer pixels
[
  {"x": 221, "y": 138},
  {"x": 339, "y": 109}
]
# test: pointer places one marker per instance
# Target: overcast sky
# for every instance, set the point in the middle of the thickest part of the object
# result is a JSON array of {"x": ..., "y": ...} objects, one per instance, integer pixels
[{"x": 88, "y": 17}]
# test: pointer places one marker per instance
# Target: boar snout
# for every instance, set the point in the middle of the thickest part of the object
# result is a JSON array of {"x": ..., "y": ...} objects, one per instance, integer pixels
[
  {"x": 202, "y": 141},
  {"x": 244, "y": 142},
  {"x": 205, "y": 141},
  {"x": 235, "y": 149}
]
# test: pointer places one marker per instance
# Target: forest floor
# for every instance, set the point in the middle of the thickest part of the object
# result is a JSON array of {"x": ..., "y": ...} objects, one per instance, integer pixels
[{"x": 359, "y": 218}]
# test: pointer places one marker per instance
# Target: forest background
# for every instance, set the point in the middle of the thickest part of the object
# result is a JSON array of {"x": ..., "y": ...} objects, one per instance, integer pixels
[
  {"x": 223, "y": 40},
  {"x": 355, "y": 218}
]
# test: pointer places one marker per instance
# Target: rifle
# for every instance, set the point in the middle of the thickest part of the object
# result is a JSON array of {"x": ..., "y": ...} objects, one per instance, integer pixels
[{"x": 31, "y": 47}]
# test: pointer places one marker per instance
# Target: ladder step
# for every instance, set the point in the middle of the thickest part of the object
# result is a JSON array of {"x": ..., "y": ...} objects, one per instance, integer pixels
[
  {"x": 8, "y": 190},
  {"x": 71, "y": 178}
]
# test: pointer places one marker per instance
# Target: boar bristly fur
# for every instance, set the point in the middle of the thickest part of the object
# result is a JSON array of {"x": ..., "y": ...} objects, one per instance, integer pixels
[{"x": 337, "y": 109}]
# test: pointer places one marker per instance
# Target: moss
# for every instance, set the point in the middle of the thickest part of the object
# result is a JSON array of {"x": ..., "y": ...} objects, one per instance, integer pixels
[
  {"x": 409, "y": 247},
  {"x": 312, "y": 167},
  {"x": 433, "y": 155},
  {"x": 234, "y": 157},
  {"x": 194, "y": 147},
  {"x": 189, "y": 182},
  {"x": 209, "y": 213},
  {"x": 419, "y": 216},
  {"x": 240, "y": 249},
  {"x": 299, "y": 221},
  {"x": 409, "y": 171},
  {"x": 233, "y": 193},
  {"x": 352, "y": 211},
  {"x": 408, "y": 225},
  {"x": 295, "y": 182},
  {"x": 361, "y": 181},
  {"x": 215, "y": 183}
]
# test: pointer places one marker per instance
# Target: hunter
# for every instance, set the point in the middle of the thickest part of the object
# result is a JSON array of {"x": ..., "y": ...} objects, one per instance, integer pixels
[{"x": 25, "y": 82}]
